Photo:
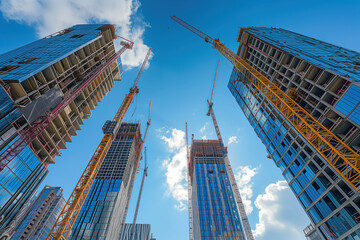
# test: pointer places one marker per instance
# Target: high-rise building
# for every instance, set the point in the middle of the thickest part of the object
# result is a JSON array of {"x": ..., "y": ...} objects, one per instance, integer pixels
[
  {"x": 324, "y": 80},
  {"x": 142, "y": 232},
  {"x": 103, "y": 213},
  {"x": 215, "y": 211},
  {"x": 47, "y": 85},
  {"x": 42, "y": 214}
]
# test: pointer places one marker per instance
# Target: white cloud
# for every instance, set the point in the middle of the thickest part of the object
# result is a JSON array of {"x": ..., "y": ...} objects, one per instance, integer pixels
[
  {"x": 50, "y": 16},
  {"x": 202, "y": 130},
  {"x": 233, "y": 139},
  {"x": 243, "y": 176},
  {"x": 176, "y": 140},
  {"x": 280, "y": 215},
  {"x": 175, "y": 166}
]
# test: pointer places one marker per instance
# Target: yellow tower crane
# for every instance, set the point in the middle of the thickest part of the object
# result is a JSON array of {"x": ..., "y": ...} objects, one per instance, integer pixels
[
  {"x": 65, "y": 221},
  {"x": 339, "y": 155}
]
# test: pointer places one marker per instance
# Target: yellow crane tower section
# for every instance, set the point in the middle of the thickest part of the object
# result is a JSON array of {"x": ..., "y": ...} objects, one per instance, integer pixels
[
  {"x": 65, "y": 221},
  {"x": 339, "y": 155}
]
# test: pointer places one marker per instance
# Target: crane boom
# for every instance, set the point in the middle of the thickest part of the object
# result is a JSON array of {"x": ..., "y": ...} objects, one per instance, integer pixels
[
  {"x": 147, "y": 123},
  {"x": 211, "y": 113},
  {"x": 65, "y": 221},
  {"x": 217, "y": 129},
  {"x": 212, "y": 92},
  {"x": 339, "y": 155},
  {"x": 141, "y": 69},
  {"x": 31, "y": 133}
]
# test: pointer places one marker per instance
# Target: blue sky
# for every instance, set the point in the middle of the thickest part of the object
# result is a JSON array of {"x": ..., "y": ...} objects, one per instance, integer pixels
[{"x": 178, "y": 82}]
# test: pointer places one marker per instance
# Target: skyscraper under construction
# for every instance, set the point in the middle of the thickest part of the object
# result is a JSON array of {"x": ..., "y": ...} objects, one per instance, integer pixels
[
  {"x": 47, "y": 88},
  {"x": 103, "y": 213},
  {"x": 216, "y": 211},
  {"x": 323, "y": 79},
  {"x": 41, "y": 215}
]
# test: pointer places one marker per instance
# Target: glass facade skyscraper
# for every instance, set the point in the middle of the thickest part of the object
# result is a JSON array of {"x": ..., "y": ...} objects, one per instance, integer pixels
[
  {"x": 103, "y": 213},
  {"x": 42, "y": 215},
  {"x": 142, "y": 232},
  {"x": 215, "y": 210},
  {"x": 35, "y": 80},
  {"x": 325, "y": 81}
]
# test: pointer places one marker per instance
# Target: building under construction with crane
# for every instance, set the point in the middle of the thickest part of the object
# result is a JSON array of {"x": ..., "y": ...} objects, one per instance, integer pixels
[
  {"x": 48, "y": 88},
  {"x": 302, "y": 97},
  {"x": 97, "y": 207},
  {"x": 215, "y": 208},
  {"x": 103, "y": 213},
  {"x": 323, "y": 80}
]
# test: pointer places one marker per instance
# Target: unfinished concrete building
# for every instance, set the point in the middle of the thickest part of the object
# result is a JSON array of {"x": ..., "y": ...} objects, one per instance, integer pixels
[{"x": 48, "y": 88}]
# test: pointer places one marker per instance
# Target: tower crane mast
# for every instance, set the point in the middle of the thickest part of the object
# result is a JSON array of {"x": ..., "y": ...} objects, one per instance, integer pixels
[
  {"x": 65, "y": 221},
  {"x": 339, "y": 155},
  {"x": 212, "y": 114}
]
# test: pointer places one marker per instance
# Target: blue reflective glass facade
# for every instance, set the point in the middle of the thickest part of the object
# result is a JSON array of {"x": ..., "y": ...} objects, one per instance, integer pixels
[
  {"x": 18, "y": 181},
  {"x": 103, "y": 213},
  {"x": 34, "y": 80},
  {"x": 340, "y": 60},
  {"x": 8, "y": 113},
  {"x": 293, "y": 61},
  {"x": 215, "y": 212},
  {"x": 141, "y": 232},
  {"x": 36, "y": 56},
  {"x": 42, "y": 215},
  {"x": 349, "y": 104}
]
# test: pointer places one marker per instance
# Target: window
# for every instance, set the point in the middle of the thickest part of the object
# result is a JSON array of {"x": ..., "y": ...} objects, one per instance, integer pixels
[
  {"x": 77, "y": 36},
  {"x": 316, "y": 186},
  {"x": 211, "y": 171},
  {"x": 7, "y": 69},
  {"x": 27, "y": 60},
  {"x": 222, "y": 171}
]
